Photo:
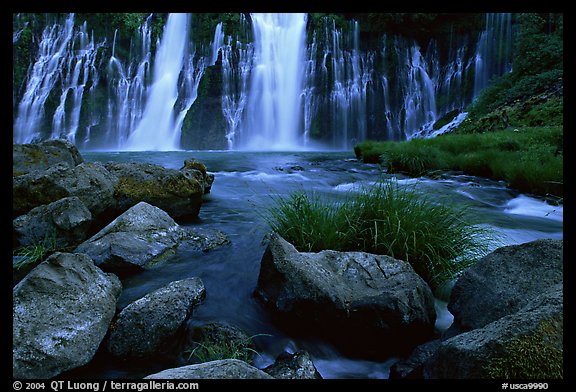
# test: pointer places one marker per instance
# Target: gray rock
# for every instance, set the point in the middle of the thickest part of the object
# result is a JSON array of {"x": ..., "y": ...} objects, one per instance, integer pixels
[
  {"x": 469, "y": 355},
  {"x": 66, "y": 221},
  {"x": 504, "y": 281},
  {"x": 146, "y": 325},
  {"x": 366, "y": 304},
  {"x": 168, "y": 189},
  {"x": 138, "y": 239},
  {"x": 293, "y": 366},
  {"x": 90, "y": 182},
  {"x": 27, "y": 158},
  {"x": 61, "y": 313},
  {"x": 220, "y": 369},
  {"x": 413, "y": 366}
]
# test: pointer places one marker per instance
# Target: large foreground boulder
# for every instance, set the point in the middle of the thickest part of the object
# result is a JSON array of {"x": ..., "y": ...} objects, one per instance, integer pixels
[
  {"x": 61, "y": 312},
  {"x": 508, "y": 312},
  {"x": 366, "y": 304},
  {"x": 140, "y": 238},
  {"x": 527, "y": 344},
  {"x": 220, "y": 369},
  {"x": 145, "y": 327},
  {"x": 505, "y": 281},
  {"x": 176, "y": 192}
]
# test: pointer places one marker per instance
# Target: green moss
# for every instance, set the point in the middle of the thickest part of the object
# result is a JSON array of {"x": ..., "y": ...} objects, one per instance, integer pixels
[
  {"x": 535, "y": 356},
  {"x": 151, "y": 190}
]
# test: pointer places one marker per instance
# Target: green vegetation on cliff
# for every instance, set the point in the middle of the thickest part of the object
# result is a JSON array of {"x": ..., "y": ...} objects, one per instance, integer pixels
[{"x": 514, "y": 129}]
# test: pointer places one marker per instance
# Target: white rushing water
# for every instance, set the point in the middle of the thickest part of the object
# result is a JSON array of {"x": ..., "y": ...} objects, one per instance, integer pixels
[
  {"x": 279, "y": 90},
  {"x": 273, "y": 112},
  {"x": 157, "y": 129}
]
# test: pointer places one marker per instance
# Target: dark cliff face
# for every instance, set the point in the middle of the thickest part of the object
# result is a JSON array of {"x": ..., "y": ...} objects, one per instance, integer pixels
[{"x": 374, "y": 75}]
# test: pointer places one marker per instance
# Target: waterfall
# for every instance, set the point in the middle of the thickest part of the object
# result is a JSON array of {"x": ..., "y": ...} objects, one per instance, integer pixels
[
  {"x": 217, "y": 43},
  {"x": 494, "y": 50},
  {"x": 157, "y": 129},
  {"x": 279, "y": 87},
  {"x": 52, "y": 58},
  {"x": 419, "y": 96},
  {"x": 274, "y": 102},
  {"x": 127, "y": 90}
]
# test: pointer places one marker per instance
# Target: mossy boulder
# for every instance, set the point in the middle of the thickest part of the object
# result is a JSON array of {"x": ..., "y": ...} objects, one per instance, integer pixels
[
  {"x": 31, "y": 157},
  {"x": 527, "y": 344},
  {"x": 168, "y": 189},
  {"x": 90, "y": 182}
]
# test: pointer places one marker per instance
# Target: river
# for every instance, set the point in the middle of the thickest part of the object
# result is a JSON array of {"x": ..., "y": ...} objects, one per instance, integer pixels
[{"x": 243, "y": 186}]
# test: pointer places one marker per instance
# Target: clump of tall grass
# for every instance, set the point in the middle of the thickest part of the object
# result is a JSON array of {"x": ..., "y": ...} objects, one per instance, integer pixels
[
  {"x": 32, "y": 254},
  {"x": 223, "y": 349},
  {"x": 438, "y": 239}
]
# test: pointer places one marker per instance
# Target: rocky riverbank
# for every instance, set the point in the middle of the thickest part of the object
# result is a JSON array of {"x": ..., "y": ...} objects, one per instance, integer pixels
[{"x": 66, "y": 308}]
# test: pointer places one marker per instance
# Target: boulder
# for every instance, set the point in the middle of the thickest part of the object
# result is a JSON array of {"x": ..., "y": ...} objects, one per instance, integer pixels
[
  {"x": 197, "y": 170},
  {"x": 525, "y": 344},
  {"x": 413, "y": 366},
  {"x": 146, "y": 326},
  {"x": 65, "y": 221},
  {"x": 140, "y": 238},
  {"x": 505, "y": 281},
  {"x": 90, "y": 182},
  {"x": 220, "y": 369},
  {"x": 294, "y": 366},
  {"x": 365, "y": 304},
  {"x": 61, "y": 312},
  {"x": 27, "y": 158},
  {"x": 168, "y": 189}
]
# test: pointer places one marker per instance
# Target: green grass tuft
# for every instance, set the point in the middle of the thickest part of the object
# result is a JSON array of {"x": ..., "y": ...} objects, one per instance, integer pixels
[
  {"x": 438, "y": 239},
  {"x": 228, "y": 349},
  {"x": 31, "y": 255}
]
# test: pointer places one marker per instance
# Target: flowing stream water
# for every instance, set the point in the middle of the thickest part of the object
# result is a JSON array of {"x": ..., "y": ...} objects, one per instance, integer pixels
[{"x": 243, "y": 186}]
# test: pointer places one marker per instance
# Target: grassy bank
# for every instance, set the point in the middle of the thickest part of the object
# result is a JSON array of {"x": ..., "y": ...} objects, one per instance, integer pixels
[
  {"x": 529, "y": 159},
  {"x": 438, "y": 239}
]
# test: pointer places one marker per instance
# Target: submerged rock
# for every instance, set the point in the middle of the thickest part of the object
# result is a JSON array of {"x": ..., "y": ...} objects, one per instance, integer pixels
[
  {"x": 144, "y": 327},
  {"x": 61, "y": 313},
  {"x": 220, "y": 369},
  {"x": 365, "y": 304}
]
